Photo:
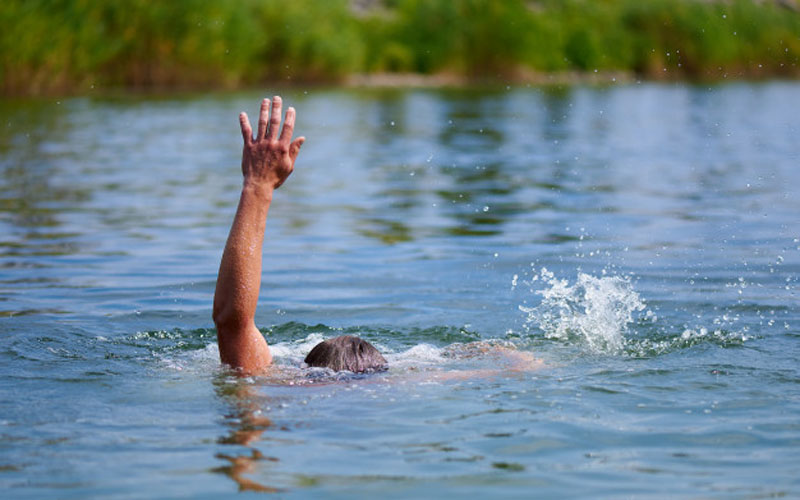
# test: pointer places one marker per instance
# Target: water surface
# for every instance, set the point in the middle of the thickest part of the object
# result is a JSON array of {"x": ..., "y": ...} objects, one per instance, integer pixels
[{"x": 642, "y": 240}]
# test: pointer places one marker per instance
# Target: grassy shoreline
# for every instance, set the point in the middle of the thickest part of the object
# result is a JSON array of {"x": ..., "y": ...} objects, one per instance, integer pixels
[{"x": 77, "y": 46}]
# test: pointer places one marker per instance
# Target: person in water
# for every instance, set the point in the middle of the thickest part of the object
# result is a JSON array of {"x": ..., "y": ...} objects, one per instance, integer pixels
[{"x": 267, "y": 161}]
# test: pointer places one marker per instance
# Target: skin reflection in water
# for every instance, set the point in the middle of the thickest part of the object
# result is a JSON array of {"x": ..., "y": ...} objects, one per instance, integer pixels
[{"x": 246, "y": 427}]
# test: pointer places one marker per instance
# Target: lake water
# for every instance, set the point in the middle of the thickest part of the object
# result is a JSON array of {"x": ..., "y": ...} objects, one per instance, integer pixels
[{"x": 641, "y": 240}]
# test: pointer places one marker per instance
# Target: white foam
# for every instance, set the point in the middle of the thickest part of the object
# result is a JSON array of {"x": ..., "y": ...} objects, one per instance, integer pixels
[
  {"x": 597, "y": 311},
  {"x": 200, "y": 360},
  {"x": 288, "y": 354},
  {"x": 293, "y": 352},
  {"x": 416, "y": 356},
  {"x": 299, "y": 348}
]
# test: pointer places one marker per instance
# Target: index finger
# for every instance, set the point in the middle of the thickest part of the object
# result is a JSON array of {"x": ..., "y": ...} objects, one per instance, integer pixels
[{"x": 288, "y": 126}]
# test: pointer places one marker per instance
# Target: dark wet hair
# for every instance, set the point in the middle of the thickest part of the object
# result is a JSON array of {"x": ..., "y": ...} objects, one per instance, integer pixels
[{"x": 346, "y": 353}]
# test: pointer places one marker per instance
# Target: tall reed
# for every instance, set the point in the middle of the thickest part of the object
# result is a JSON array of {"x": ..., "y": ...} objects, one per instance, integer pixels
[{"x": 74, "y": 45}]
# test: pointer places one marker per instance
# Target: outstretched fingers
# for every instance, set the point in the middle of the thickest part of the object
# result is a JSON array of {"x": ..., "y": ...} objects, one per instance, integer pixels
[
  {"x": 275, "y": 118},
  {"x": 247, "y": 130},
  {"x": 269, "y": 122},
  {"x": 263, "y": 118}
]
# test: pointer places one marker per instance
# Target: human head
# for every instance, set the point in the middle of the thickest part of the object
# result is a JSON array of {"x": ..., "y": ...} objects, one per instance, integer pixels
[{"x": 346, "y": 353}]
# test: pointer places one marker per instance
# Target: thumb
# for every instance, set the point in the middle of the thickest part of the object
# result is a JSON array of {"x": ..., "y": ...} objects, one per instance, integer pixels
[{"x": 294, "y": 147}]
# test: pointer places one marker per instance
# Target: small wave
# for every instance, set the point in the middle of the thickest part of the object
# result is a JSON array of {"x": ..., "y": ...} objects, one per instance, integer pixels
[
  {"x": 417, "y": 356},
  {"x": 289, "y": 354},
  {"x": 660, "y": 345},
  {"x": 203, "y": 360},
  {"x": 188, "y": 350},
  {"x": 295, "y": 350},
  {"x": 175, "y": 339}
]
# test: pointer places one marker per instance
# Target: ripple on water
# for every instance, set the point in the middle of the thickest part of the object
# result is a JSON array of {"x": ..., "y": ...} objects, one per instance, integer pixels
[{"x": 668, "y": 324}]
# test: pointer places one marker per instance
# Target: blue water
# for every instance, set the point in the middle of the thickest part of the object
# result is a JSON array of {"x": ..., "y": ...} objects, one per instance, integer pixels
[{"x": 641, "y": 240}]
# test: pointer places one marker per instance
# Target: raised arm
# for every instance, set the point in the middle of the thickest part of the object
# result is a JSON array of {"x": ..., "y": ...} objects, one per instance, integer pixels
[{"x": 267, "y": 161}]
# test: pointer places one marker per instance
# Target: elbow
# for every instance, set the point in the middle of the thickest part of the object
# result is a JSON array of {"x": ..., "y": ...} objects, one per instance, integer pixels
[
  {"x": 223, "y": 316},
  {"x": 217, "y": 314},
  {"x": 227, "y": 318}
]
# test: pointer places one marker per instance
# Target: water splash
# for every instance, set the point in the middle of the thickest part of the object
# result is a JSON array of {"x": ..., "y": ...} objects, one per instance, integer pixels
[{"x": 596, "y": 311}]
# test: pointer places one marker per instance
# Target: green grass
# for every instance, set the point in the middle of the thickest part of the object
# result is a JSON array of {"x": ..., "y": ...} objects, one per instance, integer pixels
[{"x": 51, "y": 46}]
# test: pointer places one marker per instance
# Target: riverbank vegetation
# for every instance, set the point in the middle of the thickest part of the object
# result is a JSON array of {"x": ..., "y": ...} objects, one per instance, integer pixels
[{"x": 56, "y": 46}]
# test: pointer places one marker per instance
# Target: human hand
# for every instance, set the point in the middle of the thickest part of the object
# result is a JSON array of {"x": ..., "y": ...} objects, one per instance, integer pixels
[{"x": 268, "y": 159}]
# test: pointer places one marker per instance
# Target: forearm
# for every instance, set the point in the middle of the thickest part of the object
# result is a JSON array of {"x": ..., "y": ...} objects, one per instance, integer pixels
[
  {"x": 241, "y": 345},
  {"x": 239, "y": 278}
]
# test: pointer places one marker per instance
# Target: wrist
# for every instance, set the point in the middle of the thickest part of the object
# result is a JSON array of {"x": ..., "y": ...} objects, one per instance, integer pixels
[{"x": 259, "y": 189}]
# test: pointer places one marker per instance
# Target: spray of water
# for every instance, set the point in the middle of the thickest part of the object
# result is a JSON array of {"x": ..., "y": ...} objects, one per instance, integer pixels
[
  {"x": 594, "y": 311},
  {"x": 597, "y": 313}
]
